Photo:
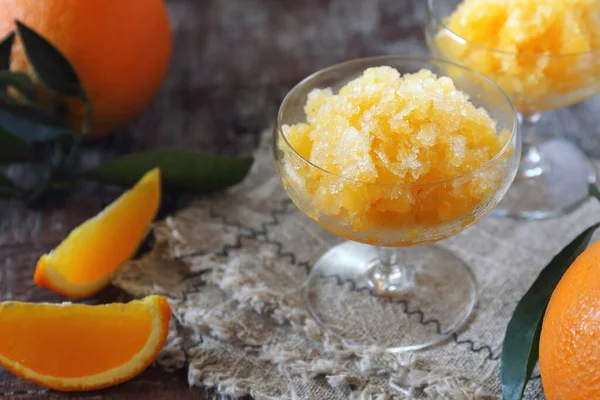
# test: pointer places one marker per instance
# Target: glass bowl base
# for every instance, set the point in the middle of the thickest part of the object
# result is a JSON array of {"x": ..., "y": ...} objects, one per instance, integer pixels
[
  {"x": 434, "y": 301},
  {"x": 560, "y": 187}
]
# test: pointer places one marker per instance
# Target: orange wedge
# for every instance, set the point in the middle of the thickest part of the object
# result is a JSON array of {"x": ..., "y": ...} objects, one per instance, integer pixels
[
  {"x": 85, "y": 261},
  {"x": 81, "y": 347}
]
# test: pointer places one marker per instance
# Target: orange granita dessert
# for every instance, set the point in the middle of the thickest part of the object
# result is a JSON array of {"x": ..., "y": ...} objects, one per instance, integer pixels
[
  {"x": 380, "y": 146},
  {"x": 532, "y": 49}
]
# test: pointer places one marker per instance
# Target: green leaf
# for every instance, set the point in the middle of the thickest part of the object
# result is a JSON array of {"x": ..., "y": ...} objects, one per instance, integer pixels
[
  {"x": 12, "y": 148},
  {"x": 50, "y": 65},
  {"x": 5, "y": 50},
  {"x": 20, "y": 81},
  {"x": 31, "y": 124},
  {"x": 181, "y": 169},
  {"x": 521, "y": 342}
]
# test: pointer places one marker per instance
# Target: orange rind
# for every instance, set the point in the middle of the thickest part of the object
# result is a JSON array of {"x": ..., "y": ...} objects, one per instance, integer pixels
[
  {"x": 77, "y": 347},
  {"x": 84, "y": 262}
]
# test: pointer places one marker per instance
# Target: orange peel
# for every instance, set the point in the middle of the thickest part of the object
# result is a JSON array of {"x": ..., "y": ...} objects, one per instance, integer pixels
[
  {"x": 85, "y": 261},
  {"x": 77, "y": 347}
]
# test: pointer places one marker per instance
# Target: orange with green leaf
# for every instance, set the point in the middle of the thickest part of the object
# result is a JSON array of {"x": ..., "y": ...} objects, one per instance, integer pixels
[
  {"x": 119, "y": 50},
  {"x": 99, "y": 79},
  {"x": 557, "y": 322},
  {"x": 569, "y": 351}
]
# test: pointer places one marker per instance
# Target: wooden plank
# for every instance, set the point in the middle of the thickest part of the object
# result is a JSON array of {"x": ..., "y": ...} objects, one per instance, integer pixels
[{"x": 154, "y": 383}]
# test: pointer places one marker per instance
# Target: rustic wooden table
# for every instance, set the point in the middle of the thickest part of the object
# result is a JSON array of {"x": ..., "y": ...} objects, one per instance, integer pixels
[{"x": 233, "y": 62}]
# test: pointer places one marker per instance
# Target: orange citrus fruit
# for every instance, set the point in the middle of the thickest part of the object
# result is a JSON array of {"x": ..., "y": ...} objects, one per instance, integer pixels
[
  {"x": 83, "y": 263},
  {"x": 119, "y": 49},
  {"x": 81, "y": 347},
  {"x": 570, "y": 337}
]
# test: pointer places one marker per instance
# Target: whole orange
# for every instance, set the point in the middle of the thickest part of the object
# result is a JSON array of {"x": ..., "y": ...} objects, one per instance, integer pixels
[
  {"x": 570, "y": 337},
  {"x": 120, "y": 49}
]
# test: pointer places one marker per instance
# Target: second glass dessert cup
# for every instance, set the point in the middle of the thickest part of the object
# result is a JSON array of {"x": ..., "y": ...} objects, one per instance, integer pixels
[
  {"x": 388, "y": 285},
  {"x": 554, "y": 175}
]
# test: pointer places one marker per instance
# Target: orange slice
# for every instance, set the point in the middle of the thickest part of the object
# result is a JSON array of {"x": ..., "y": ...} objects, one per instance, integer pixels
[
  {"x": 81, "y": 347},
  {"x": 85, "y": 261}
]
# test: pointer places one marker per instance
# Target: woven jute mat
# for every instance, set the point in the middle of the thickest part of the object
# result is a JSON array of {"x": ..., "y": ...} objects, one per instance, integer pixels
[{"x": 233, "y": 266}]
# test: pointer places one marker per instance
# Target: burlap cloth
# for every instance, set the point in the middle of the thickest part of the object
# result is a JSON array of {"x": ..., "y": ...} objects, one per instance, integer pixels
[{"x": 233, "y": 266}]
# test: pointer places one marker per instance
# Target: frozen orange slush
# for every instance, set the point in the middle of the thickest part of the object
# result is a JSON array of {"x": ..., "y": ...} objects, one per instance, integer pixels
[{"x": 378, "y": 145}]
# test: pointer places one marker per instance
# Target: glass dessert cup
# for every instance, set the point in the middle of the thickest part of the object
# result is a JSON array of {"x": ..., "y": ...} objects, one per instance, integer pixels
[
  {"x": 554, "y": 175},
  {"x": 389, "y": 286}
]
